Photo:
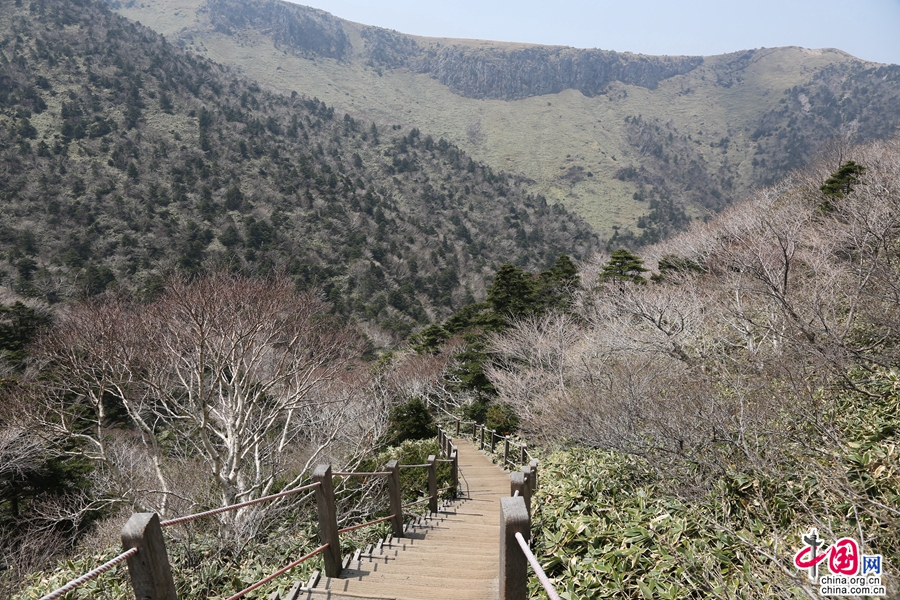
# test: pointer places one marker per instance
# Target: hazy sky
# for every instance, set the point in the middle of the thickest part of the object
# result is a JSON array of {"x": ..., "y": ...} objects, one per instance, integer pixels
[{"x": 868, "y": 29}]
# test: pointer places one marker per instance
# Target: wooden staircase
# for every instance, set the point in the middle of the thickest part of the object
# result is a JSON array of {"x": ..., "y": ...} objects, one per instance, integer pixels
[{"x": 450, "y": 555}]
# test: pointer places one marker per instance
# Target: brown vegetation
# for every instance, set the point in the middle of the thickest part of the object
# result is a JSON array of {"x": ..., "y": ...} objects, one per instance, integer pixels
[{"x": 752, "y": 316}]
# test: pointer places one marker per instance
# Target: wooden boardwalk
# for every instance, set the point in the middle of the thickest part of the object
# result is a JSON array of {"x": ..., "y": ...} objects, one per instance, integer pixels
[{"x": 451, "y": 555}]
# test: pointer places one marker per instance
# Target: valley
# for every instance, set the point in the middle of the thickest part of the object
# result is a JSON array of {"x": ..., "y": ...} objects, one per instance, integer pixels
[{"x": 742, "y": 119}]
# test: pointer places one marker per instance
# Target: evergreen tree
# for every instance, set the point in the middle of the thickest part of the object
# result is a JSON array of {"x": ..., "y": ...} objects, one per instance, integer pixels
[
  {"x": 19, "y": 324},
  {"x": 841, "y": 183},
  {"x": 410, "y": 421},
  {"x": 623, "y": 265},
  {"x": 554, "y": 285},
  {"x": 512, "y": 292}
]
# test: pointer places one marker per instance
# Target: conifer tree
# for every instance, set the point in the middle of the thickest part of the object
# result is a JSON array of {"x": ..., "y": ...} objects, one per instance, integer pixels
[
  {"x": 623, "y": 265},
  {"x": 841, "y": 183}
]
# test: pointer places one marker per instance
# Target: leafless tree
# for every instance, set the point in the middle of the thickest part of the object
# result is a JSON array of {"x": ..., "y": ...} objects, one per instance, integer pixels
[{"x": 222, "y": 375}]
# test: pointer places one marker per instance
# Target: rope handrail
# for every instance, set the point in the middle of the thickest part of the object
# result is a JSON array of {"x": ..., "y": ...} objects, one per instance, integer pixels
[
  {"x": 413, "y": 466},
  {"x": 216, "y": 511},
  {"x": 281, "y": 571},
  {"x": 90, "y": 575},
  {"x": 545, "y": 581},
  {"x": 443, "y": 460},
  {"x": 444, "y": 489},
  {"x": 361, "y": 474},
  {"x": 361, "y": 525},
  {"x": 422, "y": 501}
]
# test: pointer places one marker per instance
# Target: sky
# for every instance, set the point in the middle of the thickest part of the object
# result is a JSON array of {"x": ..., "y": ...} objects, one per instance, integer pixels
[{"x": 867, "y": 29}]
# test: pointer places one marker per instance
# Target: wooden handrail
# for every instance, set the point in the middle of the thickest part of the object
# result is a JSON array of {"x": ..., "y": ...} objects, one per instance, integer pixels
[
  {"x": 515, "y": 522},
  {"x": 151, "y": 574}
]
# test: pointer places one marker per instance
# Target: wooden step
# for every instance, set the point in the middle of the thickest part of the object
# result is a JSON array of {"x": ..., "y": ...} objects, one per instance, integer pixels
[
  {"x": 452, "y": 590},
  {"x": 449, "y": 555}
]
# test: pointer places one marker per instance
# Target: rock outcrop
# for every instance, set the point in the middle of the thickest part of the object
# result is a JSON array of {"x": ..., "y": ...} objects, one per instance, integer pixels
[
  {"x": 299, "y": 27},
  {"x": 504, "y": 75}
]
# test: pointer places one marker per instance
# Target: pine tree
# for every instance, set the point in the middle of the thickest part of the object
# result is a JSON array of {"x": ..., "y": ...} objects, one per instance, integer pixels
[
  {"x": 841, "y": 183},
  {"x": 623, "y": 265},
  {"x": 512, "y": 292}
]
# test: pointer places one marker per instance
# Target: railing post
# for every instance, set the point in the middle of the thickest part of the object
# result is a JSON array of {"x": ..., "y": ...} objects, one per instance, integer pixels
[
  {"x": 396, "y": 498},
  {"x": 526, "y": 474},
  {"x": 432, "y": 484},
  {"x": 493, "y": 443},
  {"x": 518, "y": 483},
  {"x": 454, "y": 471},
  {"x": 474, "y": 431},
  {"x": 513, "y": 564},
  {"x": 534, "y": 469},
  {"x": 440, "y": 437},
  {"x": 457, "y": 427},
  {"x": 328, "y": 528},
  {"x": 151, "y": 575},
  {"x": 524, "y": 453},
  {"x": 482, "y": 437},
  {"x": 506, "y": 452}
]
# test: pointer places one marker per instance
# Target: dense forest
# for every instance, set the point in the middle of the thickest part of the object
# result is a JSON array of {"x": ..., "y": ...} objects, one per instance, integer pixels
[{"x": 125, "y": 158}]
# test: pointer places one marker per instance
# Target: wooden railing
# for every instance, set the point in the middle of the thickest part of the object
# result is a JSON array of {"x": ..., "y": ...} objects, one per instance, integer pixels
[
  {"x": 515, "y": 531},
  {"x": 515, "y": 453},
  {"x": 147, "y": 557},
  {"x": 151, "y": 574},
  {"x": 515, "y": 511}
]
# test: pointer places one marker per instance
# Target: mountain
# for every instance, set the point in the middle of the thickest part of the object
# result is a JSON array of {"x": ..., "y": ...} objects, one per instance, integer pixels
[
  {"x": 123, "y": 157},
  {"x": 630, "y": 142}
]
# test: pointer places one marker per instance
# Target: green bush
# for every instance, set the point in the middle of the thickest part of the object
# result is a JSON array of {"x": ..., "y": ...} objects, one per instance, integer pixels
[
  {"x": 410, "y": 421},
  {"x": 502, "y": 418},
  {"x": 609, "y": 525}
]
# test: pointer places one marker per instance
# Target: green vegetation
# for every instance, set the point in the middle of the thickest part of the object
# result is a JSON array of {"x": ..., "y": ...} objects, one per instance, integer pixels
[
  {"x": 513, "y": 294},
  {"x": 698, "y": 134},
  {"x": 609, "y": 525},
  {"x": 623, "y": 265},
  {"x": 841, "y": 183},
  {"x": 19, "y": 324},
  {"x": 129, "y": 160},
  {"x": 410, "y": 421}
]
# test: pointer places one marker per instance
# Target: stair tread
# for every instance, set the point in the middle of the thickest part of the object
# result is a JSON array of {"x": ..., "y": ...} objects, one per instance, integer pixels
[{"x": 449, "y": 555}]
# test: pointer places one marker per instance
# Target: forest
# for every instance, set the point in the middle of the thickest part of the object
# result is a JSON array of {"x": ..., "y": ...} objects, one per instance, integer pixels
[
  {"x": 209, "y": 287},
  {"x": 697, "y": 408}
]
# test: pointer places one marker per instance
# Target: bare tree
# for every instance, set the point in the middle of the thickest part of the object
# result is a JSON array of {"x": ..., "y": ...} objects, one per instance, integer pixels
[{"x": 222, "y": 375}]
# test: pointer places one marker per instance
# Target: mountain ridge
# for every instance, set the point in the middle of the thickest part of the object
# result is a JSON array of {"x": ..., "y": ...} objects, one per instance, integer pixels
[{"x": 745, "y": 119}]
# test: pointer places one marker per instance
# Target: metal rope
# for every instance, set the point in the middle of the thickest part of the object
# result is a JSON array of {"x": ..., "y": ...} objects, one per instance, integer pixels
[
  {"x": 216, "y": 511},
  {"x": 545, "y": 581},
  {"x": 281, "y": 571},
  {"x": 90, "y": 575},
  {"x": 361, "y": 525}
]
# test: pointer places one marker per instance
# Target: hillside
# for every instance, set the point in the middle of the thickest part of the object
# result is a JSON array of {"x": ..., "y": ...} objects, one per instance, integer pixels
[
  {"x": 124, "y": 157},
  {"x": 628, "y": 141}
]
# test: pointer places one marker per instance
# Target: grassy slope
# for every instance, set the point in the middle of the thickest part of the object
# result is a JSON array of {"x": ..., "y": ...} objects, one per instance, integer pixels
[{"x": 540, "y": 137}]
